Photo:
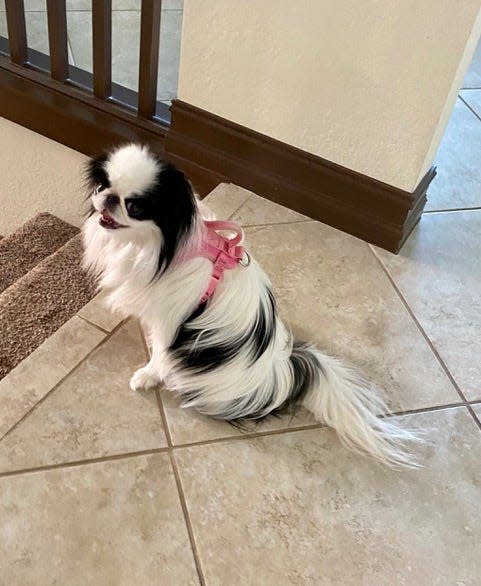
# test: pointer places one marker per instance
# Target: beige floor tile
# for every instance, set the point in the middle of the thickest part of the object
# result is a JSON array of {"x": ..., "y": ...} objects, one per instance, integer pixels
[
  {"x": 92, "y": 413},
  {"x": 332, "y": 291},
  {"x": 3, "y": 23},
  {"x": 473, "y": 77},
  {"x": 86, "y": 4},
  {"x": 439, "y": 273},
  {"x": 258, "y": 211},
  {"x": 473, "y": 99},
  {"x": 104, "y": 524},
  {"x": 226, "y": 199},
  {"x": 37, "y": 31},
  {"x": 297, "y": 508},
  {"x": 35, "y": 5},
  {"x": 169, "y": 54},
  {"x": 33, "y": 378},
  {"x": 458, "y": 180},
  {"x": 97, "y": 313},
  {"x": 125, "y": 47},
  {"x": 36, "y": 24}
]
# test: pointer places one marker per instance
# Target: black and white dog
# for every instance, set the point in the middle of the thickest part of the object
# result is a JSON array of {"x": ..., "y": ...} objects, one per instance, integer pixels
[{"x": 229, "y": 357}]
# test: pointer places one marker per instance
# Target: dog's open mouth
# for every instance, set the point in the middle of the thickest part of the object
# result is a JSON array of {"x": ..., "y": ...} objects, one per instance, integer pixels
[{"x": 107, "y": 221}]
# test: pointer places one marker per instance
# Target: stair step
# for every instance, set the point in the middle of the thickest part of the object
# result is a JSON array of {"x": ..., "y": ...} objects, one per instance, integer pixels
[
  {"x": 30, "y": 244},
  {"x": 38, "y": 303}
]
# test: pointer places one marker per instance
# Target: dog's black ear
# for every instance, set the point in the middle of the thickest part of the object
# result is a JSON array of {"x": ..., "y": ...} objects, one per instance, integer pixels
[
  {"x": 95, "y": 173},
  {"x": 175, "y": 210}
]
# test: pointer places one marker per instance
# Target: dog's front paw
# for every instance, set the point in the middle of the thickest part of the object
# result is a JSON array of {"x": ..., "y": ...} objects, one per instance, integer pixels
[{"x": 144, "y": 379}]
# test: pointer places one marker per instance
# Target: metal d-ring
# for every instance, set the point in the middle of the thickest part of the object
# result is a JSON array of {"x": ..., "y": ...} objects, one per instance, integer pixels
[{"x": 245, "y": 263}]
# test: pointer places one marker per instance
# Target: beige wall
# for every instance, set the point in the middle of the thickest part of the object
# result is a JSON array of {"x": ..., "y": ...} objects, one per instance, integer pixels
[
  {"x": 37, "y": 175},
  {"x": 366, "y": 84}
]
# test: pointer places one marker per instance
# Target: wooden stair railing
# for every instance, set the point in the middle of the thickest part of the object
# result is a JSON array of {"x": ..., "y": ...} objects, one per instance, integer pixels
[{"x": 85, "y": 111}]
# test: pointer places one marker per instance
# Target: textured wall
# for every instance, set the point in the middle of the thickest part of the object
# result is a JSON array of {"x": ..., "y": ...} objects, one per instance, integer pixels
[
  {"x": 366, "y": 84},
  {"x": 37, "y": 175}
]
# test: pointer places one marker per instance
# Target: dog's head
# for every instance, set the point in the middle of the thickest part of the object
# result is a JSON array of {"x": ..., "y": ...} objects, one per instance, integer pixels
[{"x": 133, "y": 192}]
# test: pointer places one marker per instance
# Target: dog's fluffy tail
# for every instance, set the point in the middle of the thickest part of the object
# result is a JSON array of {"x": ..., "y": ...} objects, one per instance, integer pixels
[{"x": 340, "y": 398}]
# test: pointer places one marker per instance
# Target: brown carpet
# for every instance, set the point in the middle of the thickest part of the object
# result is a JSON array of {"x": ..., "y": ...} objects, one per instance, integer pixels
[
  {"x": 26, "y": 247},
  {"x": 38, "y": 303}
]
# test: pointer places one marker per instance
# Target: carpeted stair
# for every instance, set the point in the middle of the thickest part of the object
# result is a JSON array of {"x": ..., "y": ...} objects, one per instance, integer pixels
[{"x": 42, "y": 285}]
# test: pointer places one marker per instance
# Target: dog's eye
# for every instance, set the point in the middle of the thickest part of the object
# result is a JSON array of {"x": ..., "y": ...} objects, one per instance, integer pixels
[
  {"x": 99, "y": 187},
  {"x": 135, "y": 209}
]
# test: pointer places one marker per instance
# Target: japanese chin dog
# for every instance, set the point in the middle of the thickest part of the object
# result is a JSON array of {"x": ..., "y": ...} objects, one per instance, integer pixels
[{"x": 227, "y": 354}]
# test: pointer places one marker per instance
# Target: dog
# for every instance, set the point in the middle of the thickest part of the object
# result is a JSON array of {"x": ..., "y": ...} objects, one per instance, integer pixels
[{"x": 216, "y": 339}]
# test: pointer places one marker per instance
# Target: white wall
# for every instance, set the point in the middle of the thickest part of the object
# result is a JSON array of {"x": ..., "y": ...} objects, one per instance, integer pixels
[
  {"x": 368, "y": 84},
  {"x": 37, "y": 175}
]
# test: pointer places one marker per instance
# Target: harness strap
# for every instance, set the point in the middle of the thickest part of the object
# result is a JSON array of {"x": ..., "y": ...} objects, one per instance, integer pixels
[{"x": 225, "y": 253}]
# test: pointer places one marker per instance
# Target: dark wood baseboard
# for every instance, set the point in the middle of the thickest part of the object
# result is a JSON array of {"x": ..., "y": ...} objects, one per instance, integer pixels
[{"x": 222, "y": 150}]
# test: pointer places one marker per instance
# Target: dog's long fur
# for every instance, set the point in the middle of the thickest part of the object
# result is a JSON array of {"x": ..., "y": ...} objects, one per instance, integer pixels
[{"x": 231, "y": 358}]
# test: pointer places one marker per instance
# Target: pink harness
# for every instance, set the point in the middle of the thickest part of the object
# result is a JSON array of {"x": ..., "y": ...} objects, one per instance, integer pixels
[{"x": 225, "y": 253}]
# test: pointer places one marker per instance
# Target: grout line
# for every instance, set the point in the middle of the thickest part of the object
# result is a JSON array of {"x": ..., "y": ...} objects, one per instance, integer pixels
[
  {"x": 449, "y": 210},
  {"x": 188, "y": 522},
  {"x": 240, "y": 207},
  {"x": 250, "y": 435},
  {"x": 421, "y": 329},
  {"x": 469, "y": 108},
  {"x": 474, "y": 416},
  {"x": 278, "y": 223},
  {"x": 91, "y": 323},
  {"x": 84, "y": 462},
  {"x": 55, "y": 386},
  {"x": 160, "y": 405},
  {"x": 426, "y": 409},
  {"x": 178, "y": 481},
  {"x": 180, "y": 488},
  {"x": 312, "y": 426},
  {"x": 163, "y": 416},
  {"x": 170, "y": 449}
]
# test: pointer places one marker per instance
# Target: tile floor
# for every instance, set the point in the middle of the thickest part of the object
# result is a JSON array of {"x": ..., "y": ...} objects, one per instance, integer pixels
[
  {"x": 458, "y": 182},
  {"x": 100, "y": 485},
  {"x": 125, "y": 39}
]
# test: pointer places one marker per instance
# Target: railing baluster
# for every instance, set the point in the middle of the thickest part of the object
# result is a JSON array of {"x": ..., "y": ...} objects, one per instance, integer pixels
[
  {"x": 149, "y": 56},
  {"x": 102, "y": 47},
  {"x": 17, "y": 31},
  {"x": 57, "y": 39}
]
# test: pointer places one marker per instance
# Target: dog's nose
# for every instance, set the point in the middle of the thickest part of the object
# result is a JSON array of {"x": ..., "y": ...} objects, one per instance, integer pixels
[{"x": 111, "y": 200}]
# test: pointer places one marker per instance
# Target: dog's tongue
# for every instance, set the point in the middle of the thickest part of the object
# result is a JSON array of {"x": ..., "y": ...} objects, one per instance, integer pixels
[{"x": 107, "y": 219}]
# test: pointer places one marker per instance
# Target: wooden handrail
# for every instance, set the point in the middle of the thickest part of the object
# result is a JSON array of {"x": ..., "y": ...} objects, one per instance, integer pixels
[{"x": 62, "y": 105}]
